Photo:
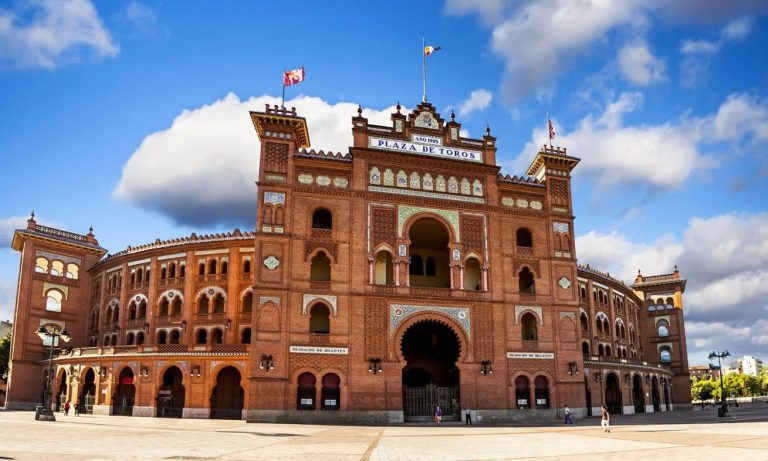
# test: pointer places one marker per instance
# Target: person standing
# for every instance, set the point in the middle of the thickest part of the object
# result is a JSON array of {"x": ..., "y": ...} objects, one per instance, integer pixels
[
  {"x": 468, "y": 416},
  {"x": 77, "y": 408},
  {"x": 438, "y": 414},
  {"x": 606, "y": 420},
  {"x": 568, "y": 419},
  {"x": 66, "y": 408}
]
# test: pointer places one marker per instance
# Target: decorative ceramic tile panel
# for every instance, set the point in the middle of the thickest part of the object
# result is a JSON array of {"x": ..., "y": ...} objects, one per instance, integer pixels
[
  {"x": 405, "y": 212},
  {"x": 400, "y": 312},
  {"x": 274, "y": 198},
  {"x": 560, "y": 227}
]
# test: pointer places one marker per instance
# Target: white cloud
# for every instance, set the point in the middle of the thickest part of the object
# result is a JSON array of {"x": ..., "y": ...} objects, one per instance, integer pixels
[
  {"x": 10, "y": 224},
  {"x": 737, "y": 29},
  {"x": 141, "y": 17},
  {"x": 478, "y": 100},
  {"x": 697, "y": 52},
  {"x": 201, "y": 170},
  {"x": 7, "y": 299},
  {"x": 639, "y": 66},
  {"x": 740, "y": 114},
  {"x": 661, "y": 156},
  {"x": 489, "y": 10},
  {"x": 725, "y": 261},
  {"x": 539, "y": 40},
  {"x": 46, "y": 33}
]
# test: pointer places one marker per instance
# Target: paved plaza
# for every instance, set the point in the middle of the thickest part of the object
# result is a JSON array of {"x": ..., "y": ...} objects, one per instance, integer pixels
[{"x": 682, "y": 435}]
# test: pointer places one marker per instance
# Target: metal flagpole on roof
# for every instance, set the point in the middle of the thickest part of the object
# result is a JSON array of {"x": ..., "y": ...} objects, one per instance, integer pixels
[
  {"x": 282, "y": 102},
  {"x": 424, "y": 69}
]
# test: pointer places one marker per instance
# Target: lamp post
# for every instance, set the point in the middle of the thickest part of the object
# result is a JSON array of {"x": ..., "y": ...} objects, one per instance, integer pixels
[
  {"x": 45, "y": 413},
  {"x": 721, "y": 355}
]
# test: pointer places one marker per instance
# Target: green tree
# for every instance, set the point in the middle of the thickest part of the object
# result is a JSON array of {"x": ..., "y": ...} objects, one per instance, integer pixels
[
  {"x": 702, "y": 389},
  {"x": 5, "y": 353}
]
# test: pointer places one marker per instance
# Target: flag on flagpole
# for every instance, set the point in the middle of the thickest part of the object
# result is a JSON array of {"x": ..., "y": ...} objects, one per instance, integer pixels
[
  {"x": 551, "y": 131},
  {"x": 430, "y": 49},
  {"x": 292, "y": 77}
]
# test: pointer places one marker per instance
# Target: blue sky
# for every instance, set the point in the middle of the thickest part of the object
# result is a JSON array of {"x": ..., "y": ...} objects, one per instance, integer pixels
[{"x": 131, "y": 117}]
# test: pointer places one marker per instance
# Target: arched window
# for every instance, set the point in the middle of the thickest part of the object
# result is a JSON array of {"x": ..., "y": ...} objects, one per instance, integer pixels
[
  {"x": 163, "y": 272},
  {"x": 132, "y": 311},
  {"x": 321, "y": 267},
  {"x": 57, "y": 268},
  {"x": 139, "y": 338},
  {"x": 177, "y": 305},
  {"x": 212, "y": 267},
  {"x": 522, "y": 393},
  {"x": 116, "y": 315},
  {"x": 542, "y": 391},
  {"x": 172, "y": 271},
  {"x": 106, "y": 340},
  {"x": 305, "y": 392},
  {"x": 322, "y": 219},
  {"x": 245, "y": 336},
  {"x": 267, "y": 216},
  {"x": 330, "y": 395},
  {"x": 584, "y": 322},
  {"x": 608, "y": 351},
  {"x": 320, "y": 319},
  {"x": 182, "y": 270},
  {"x": 113, "y": 340},
  {"x": 72, "y": 271},
  {"x": 175, "y": 336},
  {"x": 202, "y": 305},
  {"x": 224, "y": 267},
  {"x": 524, "y": 238},
  {"x": 248, "y": 302},
  {"x": 53, "y": 301},
  {"x": 583, "y": 293},
  {"x": 525, "y": 280},
  {"x": 162, "y": 337},
  {"x": 472, "y": 278},
  {"x": 600, "y": 350},
  {"x": 129, "y": 339},
  {"x": 383, "y": 268},
  {"x": 218, "y": 304},
  {"x": 528, "y": 322},
  {"x": 201, "y": 269},
  {"x": 663, "y": 328},
  {"x": 139, "y": 275},
  {"x": 164, "y": 307},
  {"x": 217, "y": 336},
  {"x": 665, "y": 355},
  {"x": 430, "y": 267},
  {"x": 585, "y": 348},
  {"x": 201, "y": 337},
  {"x": 41, "y": 265},
  {"x": 247, "y": 266},
  {"x": 417, "y": 265}
]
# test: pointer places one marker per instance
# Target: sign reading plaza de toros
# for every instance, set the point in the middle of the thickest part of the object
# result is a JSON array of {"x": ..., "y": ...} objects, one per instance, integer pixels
[{"x": 425, "y": 145}]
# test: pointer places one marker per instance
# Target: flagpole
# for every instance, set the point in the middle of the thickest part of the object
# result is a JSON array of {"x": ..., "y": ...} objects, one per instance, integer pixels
[
  {"x": 424, "y": 70},
  {"x": 282, "y": 103}
]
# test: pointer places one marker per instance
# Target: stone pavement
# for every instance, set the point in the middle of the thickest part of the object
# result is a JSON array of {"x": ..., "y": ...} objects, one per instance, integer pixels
[{"x": 669, "y": 436}]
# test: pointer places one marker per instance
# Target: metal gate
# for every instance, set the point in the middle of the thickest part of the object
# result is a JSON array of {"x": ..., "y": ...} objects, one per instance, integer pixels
[
  {"x": 419, "y": 402},
  {"x": 89, "y": 400}
]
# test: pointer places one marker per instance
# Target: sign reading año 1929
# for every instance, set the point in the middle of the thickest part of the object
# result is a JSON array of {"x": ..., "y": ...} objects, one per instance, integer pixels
[{"x": 425, "y": 145}]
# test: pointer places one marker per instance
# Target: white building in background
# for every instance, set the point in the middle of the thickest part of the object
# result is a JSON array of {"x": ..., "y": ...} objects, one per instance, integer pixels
[
  {"x": 751, "y": 366},
  {"x": 5, "y": 328}
]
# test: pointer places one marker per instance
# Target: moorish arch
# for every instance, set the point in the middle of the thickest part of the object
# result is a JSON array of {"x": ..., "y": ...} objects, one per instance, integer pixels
[
  {"x": 125, "y": 393},
  {"x": 171, "y": 393},
  {"x": 431, "y": 347},
  {"x": 429, "y": 252},
  {"x": 227, "y": 396}
]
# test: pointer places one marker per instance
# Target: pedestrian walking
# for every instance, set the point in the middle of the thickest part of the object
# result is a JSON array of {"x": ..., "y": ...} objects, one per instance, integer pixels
[
  {"x": 438, "y": 414},
  {"x": 77, "y": 408},
  {"x": 468, "y": 416},
  {"x": 606, "y": 420},
  {"x": 66, "y": 408},
  {"x": 568, "y": 419}
]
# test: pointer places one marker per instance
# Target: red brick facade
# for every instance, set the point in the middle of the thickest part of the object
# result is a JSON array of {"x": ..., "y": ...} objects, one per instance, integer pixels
[{"x": 378, "y": 282}]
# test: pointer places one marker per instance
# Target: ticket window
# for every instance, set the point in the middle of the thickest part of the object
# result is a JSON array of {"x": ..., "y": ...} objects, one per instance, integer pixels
[
  {"x": 306, "y": 392},
  {"x": 331, "y": 395}
]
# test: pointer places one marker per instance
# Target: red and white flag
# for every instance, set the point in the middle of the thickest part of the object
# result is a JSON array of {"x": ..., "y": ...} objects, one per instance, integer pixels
[
  {"x": 292, "y": 77},
  {"x": 551, "y": 131}
]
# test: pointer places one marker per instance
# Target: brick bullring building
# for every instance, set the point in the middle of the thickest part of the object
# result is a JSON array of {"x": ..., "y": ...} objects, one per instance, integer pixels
[{"x": 378, "y": 283}]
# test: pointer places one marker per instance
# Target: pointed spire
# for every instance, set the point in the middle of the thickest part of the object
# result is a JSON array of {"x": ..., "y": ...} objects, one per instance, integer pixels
[
  {"x": 453, "y": 116},
  {"x": 359, "y": 111},
  {"x": 487, "y": 130},
  {"x": 398, "y": 107},
  {"x": 32, "y": 217}
]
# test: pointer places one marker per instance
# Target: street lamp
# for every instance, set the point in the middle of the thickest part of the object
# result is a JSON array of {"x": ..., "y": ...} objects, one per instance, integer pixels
[
  {"x": 720, "y": 355},
  {"x": 45, "y": 413}
]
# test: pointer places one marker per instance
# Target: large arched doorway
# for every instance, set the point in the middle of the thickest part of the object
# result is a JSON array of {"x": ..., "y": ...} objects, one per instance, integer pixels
[
  {"x": 429, "y": 254},
  {"x": 638, "y": 399},
  {"x": 430, "y": 377},
  {"x": 125, "y": 393},
  {"x": 613, "y": 394},
  {"x": 655, "y": 395},
  {"x": 227, "y": 396},
  {"x": 171, "y": 395},
  {"x": 61, "y": 393},
  {"x": 88, "y": 392}
]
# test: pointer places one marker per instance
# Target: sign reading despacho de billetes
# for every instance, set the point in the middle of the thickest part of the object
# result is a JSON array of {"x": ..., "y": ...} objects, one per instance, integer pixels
[
  {"x": 319, "y": 350},
  {"x": 425, "y": 145},
  {"x": 530, "y": 355}
]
